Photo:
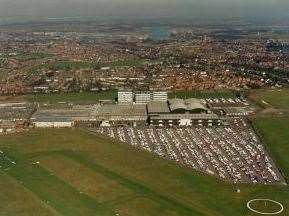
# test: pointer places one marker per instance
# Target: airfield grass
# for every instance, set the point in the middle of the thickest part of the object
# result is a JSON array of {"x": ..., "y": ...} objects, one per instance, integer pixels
[
  {"x": 273, "y": 127},
  {"x": 73, "y": 97},
  {"x": 275, "y": 133},
  {"x": 265, "y": 206},
  {"x": 18, "y": 200},
  {"x": 84, "y": 174},
  {"x": 277, "y": 98}
]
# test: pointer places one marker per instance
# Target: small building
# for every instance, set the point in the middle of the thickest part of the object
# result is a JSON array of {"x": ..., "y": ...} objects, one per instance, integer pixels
[{"x": 50, "y": 123}]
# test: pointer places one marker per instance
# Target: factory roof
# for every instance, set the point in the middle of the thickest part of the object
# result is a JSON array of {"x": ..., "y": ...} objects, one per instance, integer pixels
[
  {"x": 158, "y": 107},
  {"x": 16, "y": 111},
  {"x": 188, "y": 104},
  {"x": 121, "y": 112},
  {"x": 185, "y": 116},
  {"x": 63, "y": 115}
]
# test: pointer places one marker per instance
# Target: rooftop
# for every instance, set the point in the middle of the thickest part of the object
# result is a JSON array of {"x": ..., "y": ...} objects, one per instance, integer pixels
[
  {"x": 185, "y": 116},
  {"x": 158, "y": 107}
]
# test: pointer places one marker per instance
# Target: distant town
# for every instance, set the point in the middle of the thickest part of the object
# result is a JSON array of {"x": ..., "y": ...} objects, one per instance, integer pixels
[{"x": 34, "y": 59}]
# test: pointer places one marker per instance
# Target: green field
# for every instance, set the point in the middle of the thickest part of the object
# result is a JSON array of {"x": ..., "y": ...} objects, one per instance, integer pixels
[
  {"x": 204, "y": 94},
  {"x": 68, "y": 65},
  {"x": 277, "y": 98},
  {"x": 85, "y": 97},
  {"x": 265, "y": 206},
  {"x": 82, "y": 174},
  {"x": 273, "y": 127}
]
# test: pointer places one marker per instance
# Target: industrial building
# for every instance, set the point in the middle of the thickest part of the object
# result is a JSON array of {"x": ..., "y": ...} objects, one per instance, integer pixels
[
  {"x": 15, "y": 115},
  {"x": 61, "y": 117},
  {"x": 141, "y": 97},
  {"x": 135, "y": 109},
  {"x": 158, "y": 107},
  {"x": 120, "y": 115},
  {"x": 175, "y": 112},
  {"x": 159, "y": 95},
  {"x": 191, "y": 105},
  {"x": 179, "y": 112},
  {"x": 125, "y": 96}
]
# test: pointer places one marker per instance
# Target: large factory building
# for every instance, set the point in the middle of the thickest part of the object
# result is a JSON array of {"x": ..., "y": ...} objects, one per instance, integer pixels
[{"x": 181, "y": 112}]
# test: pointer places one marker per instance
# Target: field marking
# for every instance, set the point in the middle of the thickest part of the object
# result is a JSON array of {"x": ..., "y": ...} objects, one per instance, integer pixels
[{"x": 265, "y": 213}]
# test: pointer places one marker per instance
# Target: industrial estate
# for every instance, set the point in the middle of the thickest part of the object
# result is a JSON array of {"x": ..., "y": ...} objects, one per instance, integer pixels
[{"x": 209, "y": 135}]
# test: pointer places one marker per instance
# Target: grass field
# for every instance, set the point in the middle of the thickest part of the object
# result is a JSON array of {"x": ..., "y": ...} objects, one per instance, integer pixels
[
  {"x": 85, "y": 97},
  {"x": 273, "y": 127},
  {"x": 277, "y": 98},
  {"x": 265, "y": 206},
  {"x": 83, "y": 174},
  {"x": 68, "y": 65}
]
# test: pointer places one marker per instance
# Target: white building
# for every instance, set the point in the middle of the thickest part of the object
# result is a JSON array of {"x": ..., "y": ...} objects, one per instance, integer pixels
[
  {"x": 159, "y": 96},
  {"x": 53, "y": 124},
  {"x": 142, "y": 97},
  {"x": 125, "y": 96}
]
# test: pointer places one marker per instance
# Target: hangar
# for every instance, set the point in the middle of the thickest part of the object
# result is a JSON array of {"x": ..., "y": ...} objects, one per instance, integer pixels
[{"x": 191, "y": 105}]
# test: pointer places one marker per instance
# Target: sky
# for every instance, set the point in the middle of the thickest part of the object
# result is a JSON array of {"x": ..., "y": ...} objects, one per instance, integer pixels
[{"x": 263, "y": 9}]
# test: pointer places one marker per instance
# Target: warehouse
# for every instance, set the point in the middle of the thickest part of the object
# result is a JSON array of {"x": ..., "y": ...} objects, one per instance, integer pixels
[
  {"x": 64, "y": 117},
  {"x": 121, "y": 115},
  {"x": 158, "y": 107}
]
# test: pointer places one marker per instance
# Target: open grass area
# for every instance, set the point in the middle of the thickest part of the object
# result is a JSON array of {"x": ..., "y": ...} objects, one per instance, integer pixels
[
  {"x": 277, "y": 98},
  {"x": 32, "y": 56},
  {"x": 85, "y": 97},
  {"x": 273, "y": 128},
  {"x": 82, "y": 174},
  {"x": 275, "y": 133},
  {"x": 128, "y": 62},
  {"x": 68, "y": 65},
  {"x": 265, "y": 206},
  {"x": 204, "y": 94}
]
